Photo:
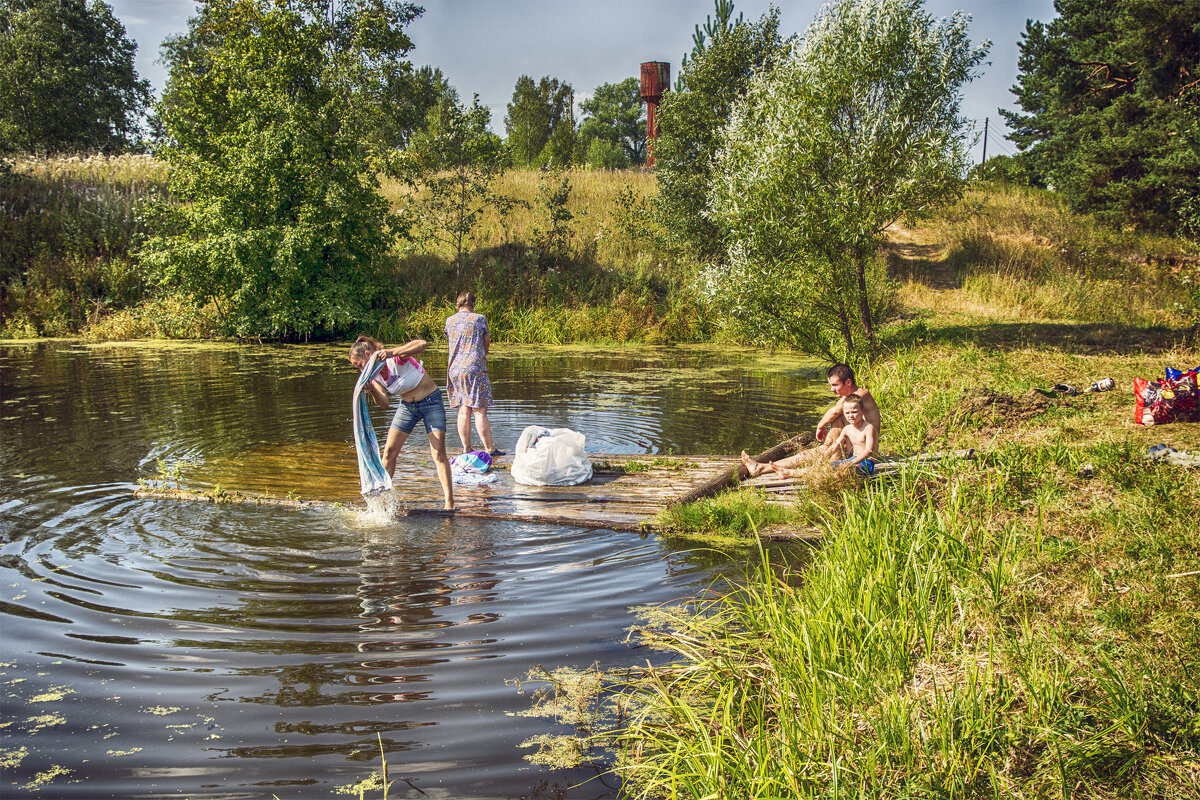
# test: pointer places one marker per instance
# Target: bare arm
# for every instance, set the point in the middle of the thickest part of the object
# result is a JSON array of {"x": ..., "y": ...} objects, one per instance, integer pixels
[
  {"x": 834, "y": 448},
  {"x": 378, "y": 393},
  {"x": 829, "y": 417},
  {"x": 487, "y": 343},
  {"x": 406, "y": 350}
]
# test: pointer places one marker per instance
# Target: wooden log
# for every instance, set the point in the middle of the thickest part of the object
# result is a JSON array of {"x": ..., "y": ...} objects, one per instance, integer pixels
[
  {"x": 467, "y": 513},
  {"x": 738, "y": 473}
]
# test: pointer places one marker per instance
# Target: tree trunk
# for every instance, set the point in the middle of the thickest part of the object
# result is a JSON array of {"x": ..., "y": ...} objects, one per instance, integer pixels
[{"x": 864, "y": 299}]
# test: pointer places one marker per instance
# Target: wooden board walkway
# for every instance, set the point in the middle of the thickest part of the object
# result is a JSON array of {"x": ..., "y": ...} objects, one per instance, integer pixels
[{"x": 625, "y": 493}]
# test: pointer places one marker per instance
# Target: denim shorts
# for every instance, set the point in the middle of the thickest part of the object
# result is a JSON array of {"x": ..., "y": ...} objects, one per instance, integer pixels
[{"x": 431, "y": 410}]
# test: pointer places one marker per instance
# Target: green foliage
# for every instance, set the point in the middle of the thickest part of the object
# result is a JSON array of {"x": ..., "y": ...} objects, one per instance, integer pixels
[
  {"x": 68, "y": 238},
  {"x": 551, "y": 237},
  {"x": 1112, "y": 109},
  {"x": 1004, "y": 169},
  {"x": 689, "y": 123},
  {"x": 614, "y": 115},
  {"x": 67, "y": 80},
  {"x": 712, "y": 30},
  {"x": 540, "y": 123},
  {"x": 858, "y": 127},
  {"x": 281, "y": 223},
  {"x": 456, "y": 161},
  {"x": 602, "y": 154}
]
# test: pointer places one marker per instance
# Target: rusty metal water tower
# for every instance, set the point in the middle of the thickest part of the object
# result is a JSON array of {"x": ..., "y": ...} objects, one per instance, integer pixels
[{"x": 656, "y": 79}]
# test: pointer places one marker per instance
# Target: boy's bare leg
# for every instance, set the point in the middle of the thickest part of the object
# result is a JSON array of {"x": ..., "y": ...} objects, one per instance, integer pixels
[
  {"x": 783, "y": 471},
  {"x": 437, "y": 448}
]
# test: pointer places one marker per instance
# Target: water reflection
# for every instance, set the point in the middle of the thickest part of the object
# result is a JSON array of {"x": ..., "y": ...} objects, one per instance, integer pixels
[{"x": 145, "y": 643}]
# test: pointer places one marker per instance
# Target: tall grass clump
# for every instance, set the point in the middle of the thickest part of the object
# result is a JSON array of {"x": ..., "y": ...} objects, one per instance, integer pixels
[
  {"x": 927, "y": 650},
  {"x": 1021, "y": 252},
  {"x": 69, "y": 228}
]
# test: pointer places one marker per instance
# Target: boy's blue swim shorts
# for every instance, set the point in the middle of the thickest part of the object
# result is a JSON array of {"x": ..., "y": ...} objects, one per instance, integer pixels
[{"x": 865, "y": 467}]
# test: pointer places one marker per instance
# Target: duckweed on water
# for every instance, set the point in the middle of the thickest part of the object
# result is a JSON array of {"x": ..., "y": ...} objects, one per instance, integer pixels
[
  {"x": 10, "y": 759},
  {"x": 161, "y": 711},
  {"x": 39, "y": 723},
  {"x": 52, "y": 695},
  {"x": 44, "y": 777}
]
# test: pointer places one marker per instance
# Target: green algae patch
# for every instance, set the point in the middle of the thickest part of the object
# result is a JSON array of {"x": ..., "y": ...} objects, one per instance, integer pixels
[
  {"x": 52, "y": 695},
  {"x": 46, "y": 776},
  {"x": 10, "y": 759}
]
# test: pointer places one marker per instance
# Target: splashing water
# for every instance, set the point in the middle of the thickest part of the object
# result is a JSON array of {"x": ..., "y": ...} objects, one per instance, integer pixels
[{"x": 383, "y": 507}]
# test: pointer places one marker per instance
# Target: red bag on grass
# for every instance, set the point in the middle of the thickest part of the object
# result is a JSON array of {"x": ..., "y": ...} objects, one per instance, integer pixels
[{"x": 1168, "y": 400}]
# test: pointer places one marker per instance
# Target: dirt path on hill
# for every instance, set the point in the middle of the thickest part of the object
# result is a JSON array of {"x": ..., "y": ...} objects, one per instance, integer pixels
[{"x": 913, "y": 258}]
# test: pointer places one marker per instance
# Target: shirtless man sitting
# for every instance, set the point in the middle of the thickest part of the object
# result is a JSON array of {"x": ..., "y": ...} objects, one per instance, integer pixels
[{"x": 841, "y": 383}]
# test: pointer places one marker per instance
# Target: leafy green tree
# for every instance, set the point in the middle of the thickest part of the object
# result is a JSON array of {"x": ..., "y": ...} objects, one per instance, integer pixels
[
  {"x": 540, "y": 125},
  {"x": 614, "y": 114},
  {"x": 67, "y": 80},
  {"x": 1111, "y": 102},
  {"x": 712, "y": 30},
  {"x": 456, "y": 162},
  {"x": 689, "y": 124},
  {"x": 858, "y": 127},
  {"x": 280, "y": 223}
]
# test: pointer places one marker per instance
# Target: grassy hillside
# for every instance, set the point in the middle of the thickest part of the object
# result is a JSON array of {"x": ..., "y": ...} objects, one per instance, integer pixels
[
  {"x": 1024, "y": 624},
  {"x": 589, "y": 265}
]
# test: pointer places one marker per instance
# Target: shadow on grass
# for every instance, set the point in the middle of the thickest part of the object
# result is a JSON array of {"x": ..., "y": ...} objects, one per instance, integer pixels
[{"x": 1100, "y": 338}]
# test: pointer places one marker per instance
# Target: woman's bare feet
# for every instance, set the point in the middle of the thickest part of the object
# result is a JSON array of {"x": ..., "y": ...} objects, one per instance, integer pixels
[{"x": 753, "y": 467}]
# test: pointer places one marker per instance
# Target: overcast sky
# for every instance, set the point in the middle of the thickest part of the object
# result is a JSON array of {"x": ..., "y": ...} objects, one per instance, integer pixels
[{"x": 483, "y": 46}]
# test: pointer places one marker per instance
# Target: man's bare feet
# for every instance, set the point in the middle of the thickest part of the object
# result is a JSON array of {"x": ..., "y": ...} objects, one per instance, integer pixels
[
  {"x": 753, "y": 467},
  {"x": 784, "y": 472}
]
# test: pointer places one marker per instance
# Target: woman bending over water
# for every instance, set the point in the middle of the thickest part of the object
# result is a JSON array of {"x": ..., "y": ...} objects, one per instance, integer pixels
[{"x": 420, "y": 400}]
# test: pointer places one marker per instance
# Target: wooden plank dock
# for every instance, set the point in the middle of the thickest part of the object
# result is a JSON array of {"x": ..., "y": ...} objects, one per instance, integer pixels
[{"x": 625, "y": 492}]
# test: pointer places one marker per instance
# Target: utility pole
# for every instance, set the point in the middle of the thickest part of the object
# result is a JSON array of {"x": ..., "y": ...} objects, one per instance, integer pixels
[{"x": 985, "y": 124}]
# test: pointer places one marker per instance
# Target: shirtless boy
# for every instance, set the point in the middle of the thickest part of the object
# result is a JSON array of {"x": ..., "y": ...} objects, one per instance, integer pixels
[
  {"x": 841, "y": 383},
  {"x": 859, "y": 434}
]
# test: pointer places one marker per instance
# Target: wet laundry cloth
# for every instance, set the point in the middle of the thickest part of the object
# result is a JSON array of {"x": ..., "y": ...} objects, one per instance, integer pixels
[
  {"x": 471, "y": 469},
  {"x": 476, "y": 461},
  {"x": 371, "y": 474}
]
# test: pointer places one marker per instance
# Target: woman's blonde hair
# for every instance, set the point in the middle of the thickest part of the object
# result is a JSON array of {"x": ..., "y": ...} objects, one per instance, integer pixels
[{"x": 465, "y": 299}]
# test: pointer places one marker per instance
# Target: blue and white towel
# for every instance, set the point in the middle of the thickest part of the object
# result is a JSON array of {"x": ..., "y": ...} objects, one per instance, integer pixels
[{"x": 371, "y": 474}]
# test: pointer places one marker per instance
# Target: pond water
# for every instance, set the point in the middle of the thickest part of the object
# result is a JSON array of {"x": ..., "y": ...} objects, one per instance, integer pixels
[{"x": 155, "y": 648}]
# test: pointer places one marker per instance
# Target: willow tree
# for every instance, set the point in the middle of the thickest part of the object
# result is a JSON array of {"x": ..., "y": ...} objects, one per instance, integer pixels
[{"x": 856, "y": 128}]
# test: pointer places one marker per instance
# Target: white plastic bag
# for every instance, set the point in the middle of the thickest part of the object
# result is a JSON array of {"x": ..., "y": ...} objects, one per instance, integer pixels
[{"x": 550, "y": 457}]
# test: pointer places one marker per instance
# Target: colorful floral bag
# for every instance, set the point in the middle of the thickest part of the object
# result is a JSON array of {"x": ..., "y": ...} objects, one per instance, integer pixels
[{"x": 1172, "y": 399}]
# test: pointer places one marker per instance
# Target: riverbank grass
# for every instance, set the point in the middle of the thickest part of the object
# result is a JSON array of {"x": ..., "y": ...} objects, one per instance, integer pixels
[{"x": 1023, "y": 624}]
